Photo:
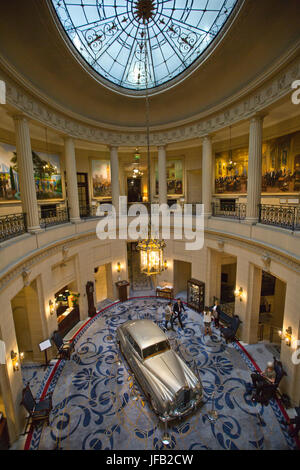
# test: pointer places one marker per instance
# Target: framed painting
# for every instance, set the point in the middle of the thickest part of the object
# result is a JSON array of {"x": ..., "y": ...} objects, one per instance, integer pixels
[
  {"x": 174, "y": 177},
  {"x": 101, "y": 179}
]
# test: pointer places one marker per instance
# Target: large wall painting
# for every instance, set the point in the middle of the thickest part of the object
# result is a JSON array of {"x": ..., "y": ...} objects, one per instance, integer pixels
[
  {"x": 101, "y": 179},
  {"x": 47, "y": 175}
]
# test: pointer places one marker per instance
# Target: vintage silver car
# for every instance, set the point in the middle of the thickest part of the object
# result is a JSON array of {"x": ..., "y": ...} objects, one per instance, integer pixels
[{"x": 171, "y": 387}]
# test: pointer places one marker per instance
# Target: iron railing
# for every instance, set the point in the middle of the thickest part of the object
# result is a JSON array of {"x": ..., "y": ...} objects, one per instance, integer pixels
[
  {"x": 88, "y": 211},
  {"x": 54, "y": 216},
  {"x": 232, "y": 210},
  {"x": 12, "y": 226},
  {"x": 287, "y": 217}
]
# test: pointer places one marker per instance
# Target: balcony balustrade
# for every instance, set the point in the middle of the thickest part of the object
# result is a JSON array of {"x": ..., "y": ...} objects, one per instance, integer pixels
[{"x": 12, "y": 225}]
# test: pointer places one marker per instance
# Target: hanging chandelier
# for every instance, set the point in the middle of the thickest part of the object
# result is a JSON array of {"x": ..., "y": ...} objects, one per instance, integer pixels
[{"x": 151, "y": 248}]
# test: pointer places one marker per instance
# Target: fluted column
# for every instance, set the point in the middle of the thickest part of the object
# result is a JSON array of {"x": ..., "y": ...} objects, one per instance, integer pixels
[
  {"x": 71, "y": 176},
  {"x": 114, "y": 168},
  {"x": 26, "y": 174},
  {"x": 162, "y": 174},
  {"x": 207, "y": 161},
  {"x": 254, "y": 169}
]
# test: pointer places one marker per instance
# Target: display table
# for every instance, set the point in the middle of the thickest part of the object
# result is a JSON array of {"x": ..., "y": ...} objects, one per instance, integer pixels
[
  {"x": 122, "y": 290},
  {"x": 67, "y": 320},
  {"x": 165, "y": 292},
  {"x": 4, "y": 439}
]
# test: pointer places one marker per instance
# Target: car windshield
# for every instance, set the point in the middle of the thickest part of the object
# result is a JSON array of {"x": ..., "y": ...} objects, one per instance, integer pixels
[{"x": 156, "y": 348}]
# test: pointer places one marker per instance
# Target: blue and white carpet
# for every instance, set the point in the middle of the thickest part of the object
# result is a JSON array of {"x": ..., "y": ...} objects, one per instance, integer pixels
[{"x": 96, "y": 405}]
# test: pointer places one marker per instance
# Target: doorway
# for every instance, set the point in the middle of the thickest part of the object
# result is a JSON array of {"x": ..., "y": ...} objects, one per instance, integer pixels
[
  {"x": 28, "y": 322},
  {"x": 83, "y": 194},
  {"x": 103, "y": 283},
  {"x": 134, "y": 189},
  {"x": 182, "y": 274},
  {"x": 271, "y": 310},
  {"x": 139, "y": 282},
  {"x": 228, "y": 282}
]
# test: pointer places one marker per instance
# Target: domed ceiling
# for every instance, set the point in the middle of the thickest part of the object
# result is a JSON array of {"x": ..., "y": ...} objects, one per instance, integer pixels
[{"x": 142, "y": 44}]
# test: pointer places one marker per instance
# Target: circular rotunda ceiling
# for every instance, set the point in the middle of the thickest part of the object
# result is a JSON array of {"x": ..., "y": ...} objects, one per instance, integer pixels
[{"x": 142, "y": 44}]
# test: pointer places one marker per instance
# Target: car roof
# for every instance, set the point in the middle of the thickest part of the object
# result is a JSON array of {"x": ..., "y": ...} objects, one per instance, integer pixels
[{"x": 145, "y": 332}]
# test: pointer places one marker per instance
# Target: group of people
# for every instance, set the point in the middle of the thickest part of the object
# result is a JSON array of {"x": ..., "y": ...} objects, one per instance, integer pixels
[{"x": 174, "y": 313}]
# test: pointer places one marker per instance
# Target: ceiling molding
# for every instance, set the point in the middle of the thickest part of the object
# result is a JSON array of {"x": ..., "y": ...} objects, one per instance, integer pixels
[{"x": 276, "y": 88}]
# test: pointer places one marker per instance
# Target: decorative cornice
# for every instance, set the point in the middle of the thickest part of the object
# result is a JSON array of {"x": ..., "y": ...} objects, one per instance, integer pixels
[
  {"x": 267, "y": 253},
  {"x": 243, "y": 109},
  {"x": 23, "y": 268}
]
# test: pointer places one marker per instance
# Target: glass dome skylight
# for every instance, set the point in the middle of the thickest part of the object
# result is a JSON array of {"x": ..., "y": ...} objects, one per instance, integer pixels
[{"x": 114, "y": 35}]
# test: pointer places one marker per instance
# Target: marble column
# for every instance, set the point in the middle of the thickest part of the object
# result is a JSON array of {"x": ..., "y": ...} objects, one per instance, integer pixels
[
  {"x": 207, "y": 168},
  {"x": 162, "y": 174},
  {"x": 254, "y": 169},
  {"x": 71, "y": 176},
  {"x": 26, "y": 173},
  {"x": 114, "y": 168}
]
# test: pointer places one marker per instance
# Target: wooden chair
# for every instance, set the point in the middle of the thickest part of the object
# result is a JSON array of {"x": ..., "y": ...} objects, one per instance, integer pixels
[
  {"x": 38, "y": 411},
  {"x": 64, "y": 348}
]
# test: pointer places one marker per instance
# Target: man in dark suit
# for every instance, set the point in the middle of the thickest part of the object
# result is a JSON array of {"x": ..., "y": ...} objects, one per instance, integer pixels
[
  {"x": 177, "y": 309},
  {"x": 216, "y": 310}
]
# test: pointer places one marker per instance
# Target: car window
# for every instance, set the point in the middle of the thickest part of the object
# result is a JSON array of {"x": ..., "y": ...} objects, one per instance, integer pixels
[
  {"x": 156, "y": 348},
  {"x": 134, "y": 345}
]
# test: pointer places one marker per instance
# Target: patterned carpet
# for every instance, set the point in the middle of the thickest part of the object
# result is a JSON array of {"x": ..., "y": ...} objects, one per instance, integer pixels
[{"x": 97, "y": 406}]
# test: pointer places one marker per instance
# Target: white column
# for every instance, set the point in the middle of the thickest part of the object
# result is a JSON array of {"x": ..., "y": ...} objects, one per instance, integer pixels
[
  {"x": 71, "y": 175},
  {"x": 254, "y": 169},
  {"x": 114, "y": 169},
  {"x": 26, "y": 173},
  {"x": 162, "y": 174},
  {"x": 207, "y": 161}
]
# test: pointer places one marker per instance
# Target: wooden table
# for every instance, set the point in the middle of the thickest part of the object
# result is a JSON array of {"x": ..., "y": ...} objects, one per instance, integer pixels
[
  {"x": 165, "y": 292},
  {"x": 122, "y": 290}
]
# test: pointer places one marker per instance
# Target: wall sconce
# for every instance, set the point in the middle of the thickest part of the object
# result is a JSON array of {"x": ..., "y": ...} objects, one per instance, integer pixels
[
  {"x": 15, "y": 362},
  {"x": 165, "y": 265},
  {"x": 287, "y": 336},
  {"x": 239, "y": 293},
  {"x": 118, "y": 267},
  {"x": 51, "y": 307}
]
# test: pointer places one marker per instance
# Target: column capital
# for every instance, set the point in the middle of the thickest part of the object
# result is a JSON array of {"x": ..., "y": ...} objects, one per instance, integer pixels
[
  {"x": 113, "y": 147},
  {"x": 162, "y": 146},
  {"x": 258, "y": 117},
  {"x": 68, "y": 137},
  {"x": 207, "y": 138},
  {"x": 18, "y": 116}
]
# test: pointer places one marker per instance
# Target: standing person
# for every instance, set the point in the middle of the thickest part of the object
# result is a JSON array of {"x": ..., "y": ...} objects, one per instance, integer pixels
[
  {"x": 169, "y": 315},
  {"x": 207, "y": 316},
  {"x": 216, "y": 310},
  {"x": 177, "y": 309}
]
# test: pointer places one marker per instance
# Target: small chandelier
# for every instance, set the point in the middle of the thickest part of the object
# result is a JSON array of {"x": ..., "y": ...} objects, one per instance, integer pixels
[
  {"x": 151, "y": 248},
  {"x": 136, "y": 172}
]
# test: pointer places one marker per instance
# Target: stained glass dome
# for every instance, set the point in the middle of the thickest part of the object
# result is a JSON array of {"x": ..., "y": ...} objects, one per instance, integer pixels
[{"x": 139, "y": 44}]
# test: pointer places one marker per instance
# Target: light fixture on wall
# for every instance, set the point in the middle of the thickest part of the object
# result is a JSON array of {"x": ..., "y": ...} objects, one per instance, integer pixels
[
  {"x": 118, "y": 267},
  {"x": 239, "y": 293},
  {"x": 286, "y": 336},
  {"x": 15, "y": 361},
  {"x": 151, "y": 248},
  {"x": 51, "y": 307},
  {"x": 165, "y": 265}
]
